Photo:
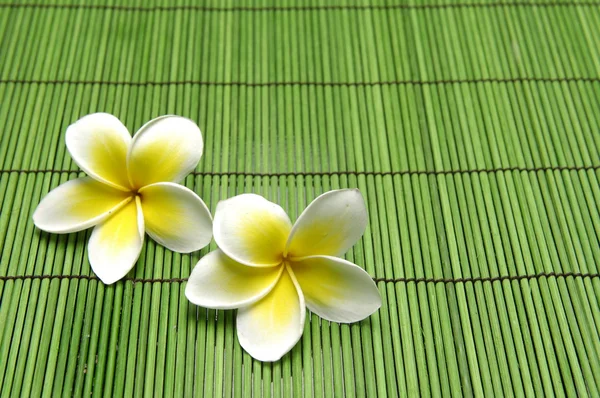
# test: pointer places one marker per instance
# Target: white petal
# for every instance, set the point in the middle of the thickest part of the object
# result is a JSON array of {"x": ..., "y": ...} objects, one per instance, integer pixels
[
  {"x": 330, "y": 225},
  {"x": 222, "y": 283},
  {"x": 77, "y": 205},
  {"x": 116, "y": 244},
  {"x": 268, "y": 329},
  {"x": 98, "y": 144},
  {"x": 336, "y": 289},
  {"x": 251, "y": 230},
  {"x": 165, "y": 149},
  {"x": 176, "y": 217}
]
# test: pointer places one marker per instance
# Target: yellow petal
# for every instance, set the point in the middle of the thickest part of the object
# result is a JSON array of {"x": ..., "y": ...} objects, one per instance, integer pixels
[
  {"x": 165, "y": 149},
  {"x": 336, "y": 289},
  {"x": 330, "y": 225},
  {"x": 176, "y": 217},
  {"x": 220, "y": 282},
  {"x": 98, "y": 144},
  {"x": 77, "y": 205},
  {"x": 268, "y": 329},
  {"x": 116, "y": 244},
  {"x": 251, "y": 230}
]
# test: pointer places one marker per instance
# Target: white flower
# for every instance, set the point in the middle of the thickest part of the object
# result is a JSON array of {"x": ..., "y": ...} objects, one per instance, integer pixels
[
  {"x": 271, "y": 271},
  {"x": 131, "y": 188}
]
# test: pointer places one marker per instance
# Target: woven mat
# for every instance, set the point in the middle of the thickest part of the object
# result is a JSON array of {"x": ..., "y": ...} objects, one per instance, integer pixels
[{"x": 472, "y": 130}]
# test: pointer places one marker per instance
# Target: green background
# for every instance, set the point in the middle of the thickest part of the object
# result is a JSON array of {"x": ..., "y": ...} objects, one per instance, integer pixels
[{"x": 472, "y": 130}]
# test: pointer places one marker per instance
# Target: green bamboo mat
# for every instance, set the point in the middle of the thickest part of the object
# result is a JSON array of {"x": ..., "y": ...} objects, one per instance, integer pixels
[{"x": 472, "y": 130}]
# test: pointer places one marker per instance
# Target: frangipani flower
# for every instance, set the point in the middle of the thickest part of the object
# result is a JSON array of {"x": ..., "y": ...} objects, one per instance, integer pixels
[
  {"x": 131, "y": 188},
  {"x": 272, "y": 270}
]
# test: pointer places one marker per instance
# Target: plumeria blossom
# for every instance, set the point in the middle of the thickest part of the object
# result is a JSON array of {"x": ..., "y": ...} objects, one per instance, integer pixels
[
  {"x": 271, "y": 271},
  {"x": 131, "y": 189}
]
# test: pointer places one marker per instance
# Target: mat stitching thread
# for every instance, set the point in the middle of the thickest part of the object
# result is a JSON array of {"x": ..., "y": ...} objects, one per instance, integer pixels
[
  {"x": 302, "y": 8},
  {"x": 341, "y": 173},
  {"x": 318, "y": 84},
  {"x": 387, "y": 280}
]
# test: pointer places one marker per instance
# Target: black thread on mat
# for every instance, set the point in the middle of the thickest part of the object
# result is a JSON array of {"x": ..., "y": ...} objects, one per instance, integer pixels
[
  {"x": 354, "y": 7},
  {"x": 318, "y": 84},
  {"x": 342, "y": 173},
  {"x": 387, "y": 280},
  {"x": 490, "y": 278}
]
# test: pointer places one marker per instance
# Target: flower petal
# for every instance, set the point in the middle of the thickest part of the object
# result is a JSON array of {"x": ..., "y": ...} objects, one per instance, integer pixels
[
  {"x": 268, "y": 329},
  {"x": 116, "y": 244},
  {"x": 222, "y": 283},
  {"x": 336, "y": 289},
  {"x": 98, "y": 143},
  {"x": 330, "y": 225},
  {"x": 251, "y": 230},
  {"x": 176, "y": 217},
  {"x": 165, "y": 149},
  {"x": 77, "y": 205}
]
